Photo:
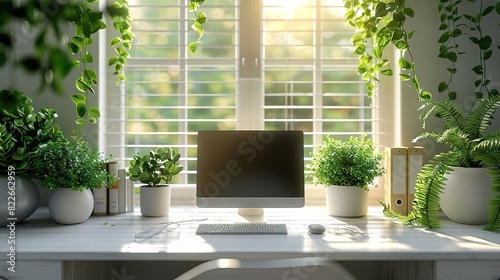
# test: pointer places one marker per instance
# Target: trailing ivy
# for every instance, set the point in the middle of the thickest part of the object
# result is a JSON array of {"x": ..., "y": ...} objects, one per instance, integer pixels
[
  {"x": 87, "y": 22},
  {"x": 200, "y": 18},
  {"x": 379, "y": 24}
]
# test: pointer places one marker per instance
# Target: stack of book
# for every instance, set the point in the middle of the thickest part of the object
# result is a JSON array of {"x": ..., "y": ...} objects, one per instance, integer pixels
[{"x": 119, "y": 198}]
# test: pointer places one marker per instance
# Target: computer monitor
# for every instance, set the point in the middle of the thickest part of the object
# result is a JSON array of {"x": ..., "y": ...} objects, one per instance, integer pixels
[{"x": 250, "y": 169}]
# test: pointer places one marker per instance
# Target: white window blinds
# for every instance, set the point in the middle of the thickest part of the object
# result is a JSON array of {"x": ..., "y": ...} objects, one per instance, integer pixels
[{"x": 267, "y": 64}]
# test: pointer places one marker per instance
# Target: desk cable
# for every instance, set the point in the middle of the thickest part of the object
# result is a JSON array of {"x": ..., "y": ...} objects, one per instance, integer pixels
[{"x": 165, "y": 227}]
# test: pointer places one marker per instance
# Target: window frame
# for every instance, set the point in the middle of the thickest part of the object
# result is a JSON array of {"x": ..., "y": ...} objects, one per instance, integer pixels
[{"x": 250, "y": 78}]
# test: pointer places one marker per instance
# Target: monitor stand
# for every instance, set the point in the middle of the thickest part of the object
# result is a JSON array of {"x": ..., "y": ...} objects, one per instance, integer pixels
[{"x": 250, "y": 215}]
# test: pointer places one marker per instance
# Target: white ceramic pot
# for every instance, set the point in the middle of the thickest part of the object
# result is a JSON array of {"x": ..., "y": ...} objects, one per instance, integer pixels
[
  {"x": 155, "y": 201},
  {"x": 344, "y": 201},
  {"x": 67, "y": 206},
  {"x": 466, "y": 194}
]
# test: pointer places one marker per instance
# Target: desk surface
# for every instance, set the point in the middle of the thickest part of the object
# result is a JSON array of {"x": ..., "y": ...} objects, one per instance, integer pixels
[{"x": 373, "y": 237}]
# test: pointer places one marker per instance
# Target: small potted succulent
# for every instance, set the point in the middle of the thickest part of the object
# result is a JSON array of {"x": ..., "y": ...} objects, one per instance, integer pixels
[
  {"x": 155, "y": 170},
  {"x": 346, "y": 168},
  {"x": 71, "y": 169}
]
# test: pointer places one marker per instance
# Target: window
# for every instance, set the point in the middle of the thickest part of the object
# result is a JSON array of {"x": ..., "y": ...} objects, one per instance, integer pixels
[{"x": 269, "y": 64}]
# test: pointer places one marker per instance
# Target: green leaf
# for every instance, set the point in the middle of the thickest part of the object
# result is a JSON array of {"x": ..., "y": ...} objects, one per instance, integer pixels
[
  {"x": 80, "y": 85},
  {"x": 478, "y": 69},
  {"x": 485, "y": 42},
  {"x": 488, "y": 54},
  {"x": 201, "y": 18},
  {"x": 94, "y": 112},
  {"x": 402, "y": 45},
  {"x": 81, "y": 109},
  {"x": 75, "y": 63},
  {"x": 112, "y": 60},
  {"x": 87, "y": 58},
  {"x": 426, "y": 96},
  {"x": 116, "y": 41},
  {"x": 73, "y": 48},
  {"x": 91, "y": 75},
  {"x": 404, "y": 64},
  {"x": 452, "y": 56},
  {"x": 409, "y": 12},
  {"x": 193, "y": 47},
  {"x": 77, "y": 98},
  {"x": 79, "y": 41},
  {"x": 442, "y": 86},
  {"x": 455, "y": 33},
  {"x": 444, "y": 38},
  {"x": 404, "y": 77},
  {"x": 487, "y": 10}
]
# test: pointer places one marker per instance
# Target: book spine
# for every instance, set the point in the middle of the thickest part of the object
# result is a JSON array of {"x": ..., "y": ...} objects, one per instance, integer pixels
[
  {"x": 122, "y": 191},
  {"x": 113, "y": 191},
  {"x": 100, "y": 199},
  {"x": 130, "y": 195}
]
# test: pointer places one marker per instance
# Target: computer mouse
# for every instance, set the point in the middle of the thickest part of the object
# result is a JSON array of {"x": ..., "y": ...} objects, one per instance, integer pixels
[{"x": 316, "y": 228}]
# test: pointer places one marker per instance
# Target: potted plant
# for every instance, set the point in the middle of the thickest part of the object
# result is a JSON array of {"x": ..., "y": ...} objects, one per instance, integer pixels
[
  {"x": 346, "y": 168},
  {"x": 155, "y": 169},
  {"x": 24, "y": 134},
  {"x": 71, "y": 169},
  {"x": 471, "y": 146}
]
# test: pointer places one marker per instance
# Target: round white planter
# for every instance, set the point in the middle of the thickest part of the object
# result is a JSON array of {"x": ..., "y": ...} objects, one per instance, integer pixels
[
  {"x": 466, "y": 194},
  {"x": 67, "y": 206},
  {"x": 344, "y": 201},
  {"x": 155, "y": 201}
]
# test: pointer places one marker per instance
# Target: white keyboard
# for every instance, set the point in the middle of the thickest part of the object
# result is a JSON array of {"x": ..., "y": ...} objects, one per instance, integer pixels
[{"x": 243, "y": 228}]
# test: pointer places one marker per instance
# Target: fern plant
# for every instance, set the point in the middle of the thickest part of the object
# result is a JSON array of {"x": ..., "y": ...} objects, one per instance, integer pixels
[{"x": 469, "y": 146}]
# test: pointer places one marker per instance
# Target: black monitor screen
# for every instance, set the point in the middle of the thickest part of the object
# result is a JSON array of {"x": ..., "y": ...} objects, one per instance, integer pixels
[{"x": 250, "y": 164}]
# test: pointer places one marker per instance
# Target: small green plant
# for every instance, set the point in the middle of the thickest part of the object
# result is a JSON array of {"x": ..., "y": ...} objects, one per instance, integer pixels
[
  {"x": 346, "y": 163},
  {"x": 72, "y": 165},
  {"x": 159, "y": 166},
  {"x": 24, "y": 133}
]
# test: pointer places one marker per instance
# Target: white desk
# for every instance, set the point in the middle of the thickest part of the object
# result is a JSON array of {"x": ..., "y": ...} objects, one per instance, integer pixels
[{"x": 446, "y": 251}]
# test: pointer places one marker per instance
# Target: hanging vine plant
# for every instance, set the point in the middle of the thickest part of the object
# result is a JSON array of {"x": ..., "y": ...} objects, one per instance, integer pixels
[
  {"x": 378, "y": 25},
  {"x": 88, "y": 22}
]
